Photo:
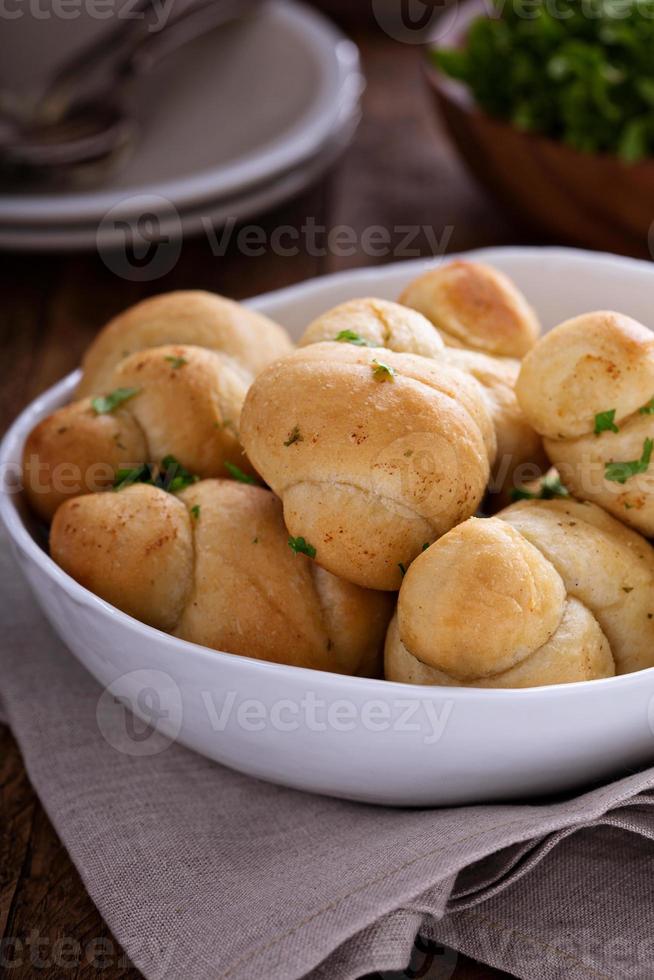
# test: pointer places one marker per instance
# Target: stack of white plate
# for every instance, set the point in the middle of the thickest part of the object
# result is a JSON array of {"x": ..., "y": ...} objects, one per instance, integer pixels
[{"x": 232, "y": 124}]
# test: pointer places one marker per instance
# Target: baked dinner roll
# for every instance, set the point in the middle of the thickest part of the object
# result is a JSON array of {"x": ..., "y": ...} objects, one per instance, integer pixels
[
  {"x": 474, "y": 306},
  {"x": 373, "y": 322},
  {"x": 378, "y": 323},
  {"x": 212, "y": 565},
  {"x": 183, "y": 402},
  {"x": 549, "y": 591},
  {"x": 588, "y": 388},
  {"x": 374, "y": 454},
  {"x": 192, "y": 317},
  {"x": 520, "y": 455}
]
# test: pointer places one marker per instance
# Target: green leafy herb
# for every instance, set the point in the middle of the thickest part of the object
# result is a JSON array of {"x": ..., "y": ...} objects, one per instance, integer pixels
[
  {"x": 605, "y": 422},
  {"x": 350, "y": 337},
  {"x": 550, "y": 487},
  {"x": 402, "y": 568},
  {"x": 647, "y": 409},
  {"x": 138, "y": 474},
  {"x": 195, "y": 511},
  {"x": 621, "y": 472},
  {"x": 237, "y": 473},
  {"x": 294, "y": 436},
  {"x": 177, "y": 362},
  {"x": 174, "y": 477},
  {"x": 105, "y": 404},
  {"x": 381, "y": 371},
  {"x": 425, "y": 546},
  {"x": 580, "y": 73},
  {"x": 301, "y": 547},
  {"x": 170, "y": 475}
]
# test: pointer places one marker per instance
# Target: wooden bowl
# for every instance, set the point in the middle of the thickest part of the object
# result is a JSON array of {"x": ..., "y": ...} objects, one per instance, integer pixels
[{"x": 594, "y": 200}]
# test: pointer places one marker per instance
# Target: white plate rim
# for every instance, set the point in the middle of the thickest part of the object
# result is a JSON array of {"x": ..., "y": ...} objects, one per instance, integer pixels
[{"x": 337, "y": 55}]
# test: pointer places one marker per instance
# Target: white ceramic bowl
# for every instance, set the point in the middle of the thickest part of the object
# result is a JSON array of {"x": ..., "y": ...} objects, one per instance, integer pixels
[{"x": 362, "y": 739}]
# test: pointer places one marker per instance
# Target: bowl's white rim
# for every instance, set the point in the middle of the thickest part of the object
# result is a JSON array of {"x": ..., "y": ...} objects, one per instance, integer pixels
[{"x": 10, "y": 453}]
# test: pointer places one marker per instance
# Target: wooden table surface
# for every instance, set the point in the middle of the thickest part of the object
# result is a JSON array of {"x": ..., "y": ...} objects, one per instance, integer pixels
[{"x": 400, "y": 171}]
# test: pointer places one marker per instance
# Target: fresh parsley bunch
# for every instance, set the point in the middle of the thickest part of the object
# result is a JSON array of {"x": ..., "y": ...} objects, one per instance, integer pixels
[{"x": 579, "y": 71}]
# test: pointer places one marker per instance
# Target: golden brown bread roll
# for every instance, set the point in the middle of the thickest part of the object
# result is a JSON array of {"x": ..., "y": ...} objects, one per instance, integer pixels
[
  {"x": 378, "y": 323},
  {"x": 181, "y": 401},
  {"x": 190, "y": 317},
  {"x": 520, "y": 455},
  {"x": 213, "y": 566},
  {"x": 587, "y": 387},
  {"x": 546, "y": 592},
  {"x": 474, "y": 306},
  {"x": 372, "y": 453}
]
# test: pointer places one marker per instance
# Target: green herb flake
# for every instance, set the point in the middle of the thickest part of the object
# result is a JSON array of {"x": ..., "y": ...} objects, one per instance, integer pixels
[
  {"x": 176, "y": 362},
  {"x": 195, "y": 511},
  {"x": 425, "y": 546},
  {"x": 293, "y": 436},
  {"x": 104, "y": 404},
  {"x": 170, "y": 476},
  {"x": 647, "y": 409},
  {"x": 402, "y": 568},
  {"x": 605, "y": 422},
  {"x": 621, "y": 472},
  {"x": 237, "y": 474},
  {"x": 550, "y": 487},
  {"x": 381, "y": 371},
  {"x": 127, "y": 477},
  {"x": 301, "y": 547},
  {"x": 350, "y": 337},
  {"x": 174, "y": 477}
]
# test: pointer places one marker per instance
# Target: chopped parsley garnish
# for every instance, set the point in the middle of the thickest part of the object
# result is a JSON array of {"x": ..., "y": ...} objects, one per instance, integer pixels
[
  {"x": 647, "y": 409},
  {"x": 293, "y": 436},
  {"x": 177, "y": 362},
  {"x": 237, "y": 474},
  {"x": 301, "y": 547},
  {"x": 381, "y": 371},
  {"x": 195, "y": 510},
  {"x": 350, "y": 337},
  {"x": 605, "y": 422},
  {"x": 174, "y": 477},
  {"x": 104, "y": 404},
  {"x": 170, "y": 475},
  {"x": 621, "y": 472},
  {"x": 126, "y": 477},
  {"x": 402, "y": 568},
  {"x": 550, "y": 487}
]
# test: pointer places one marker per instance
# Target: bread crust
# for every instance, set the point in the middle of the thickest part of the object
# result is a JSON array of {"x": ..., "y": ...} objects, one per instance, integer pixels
[
  {"x": 545, "y": 592},
  {"x": 190, "y": 317},
  {"x": 187, "y": 404},
  {"x": 212, "y": 565},
  {"x": 596, "y": 365},
  {"x": 369, "y": 465},
  {"x": 474, "y": 306}
]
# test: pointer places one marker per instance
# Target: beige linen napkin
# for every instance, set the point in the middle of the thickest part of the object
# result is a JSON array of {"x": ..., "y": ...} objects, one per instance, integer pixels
[{"x": 204, "y": 873}]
